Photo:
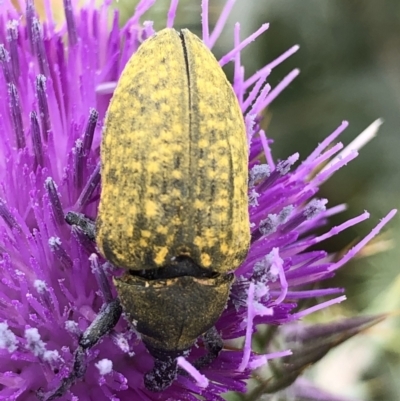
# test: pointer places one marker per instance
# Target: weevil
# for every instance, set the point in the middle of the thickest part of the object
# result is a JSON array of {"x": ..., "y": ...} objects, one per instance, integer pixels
[{"x": 173, "y": 208}]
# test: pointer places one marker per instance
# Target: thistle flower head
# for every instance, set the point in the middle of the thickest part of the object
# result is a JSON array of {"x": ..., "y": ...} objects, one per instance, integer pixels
[{"x": 55, "y": 87}]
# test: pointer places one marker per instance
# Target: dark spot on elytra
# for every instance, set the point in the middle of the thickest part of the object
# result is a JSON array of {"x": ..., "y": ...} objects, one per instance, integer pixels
[
  {"x": 112, "y": 174},
  {"x": 212, "y": 189}
]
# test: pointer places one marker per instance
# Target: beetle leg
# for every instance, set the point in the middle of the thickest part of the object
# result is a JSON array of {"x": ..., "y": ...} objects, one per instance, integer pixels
[
  {"x": 104, "y": 322},
  {"x": 165, "y": 368},
  {"x": 214, "y": 344},
  {"x": 87, "y": 225},
  {"x": 163, "y": 374}
]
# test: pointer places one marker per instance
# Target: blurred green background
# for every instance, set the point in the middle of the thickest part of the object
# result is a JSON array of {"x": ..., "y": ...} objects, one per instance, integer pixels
[{"x": 350, "y": 70}]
